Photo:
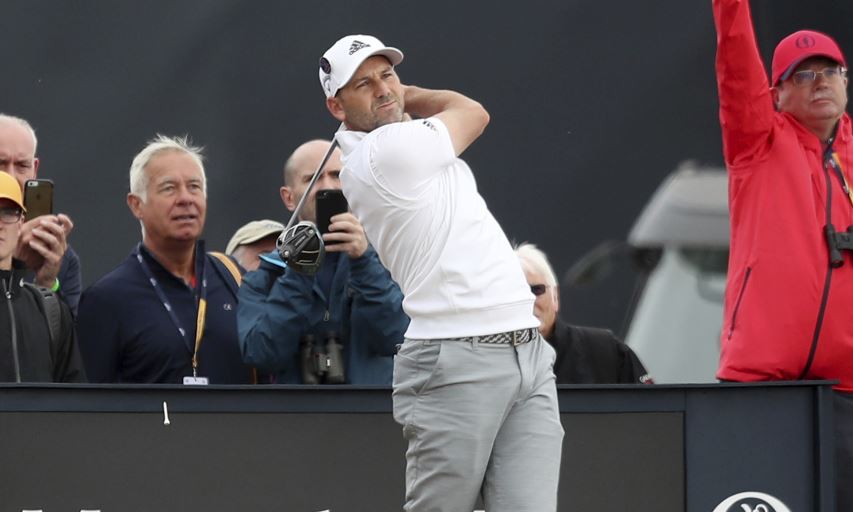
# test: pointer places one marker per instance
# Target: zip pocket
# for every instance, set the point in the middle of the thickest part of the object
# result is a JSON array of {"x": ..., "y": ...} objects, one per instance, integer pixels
[{"x": 739, "y": 299}]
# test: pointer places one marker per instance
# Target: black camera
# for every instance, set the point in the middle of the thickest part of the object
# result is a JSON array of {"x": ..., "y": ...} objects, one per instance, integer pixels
[{"x": 322, "y": 360}]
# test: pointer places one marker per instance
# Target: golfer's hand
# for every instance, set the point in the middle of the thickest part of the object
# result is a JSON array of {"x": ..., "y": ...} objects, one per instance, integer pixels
[{"x": 346, "y": 235}]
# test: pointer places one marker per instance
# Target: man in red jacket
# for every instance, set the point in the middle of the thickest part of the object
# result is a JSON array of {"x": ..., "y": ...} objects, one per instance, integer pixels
[{"x": 788, "y": 147}]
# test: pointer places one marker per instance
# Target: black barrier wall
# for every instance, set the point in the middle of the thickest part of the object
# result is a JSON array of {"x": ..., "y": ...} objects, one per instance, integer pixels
[
  {"x": 304, "y": 449},
  {"x": 592, "y": 102}
]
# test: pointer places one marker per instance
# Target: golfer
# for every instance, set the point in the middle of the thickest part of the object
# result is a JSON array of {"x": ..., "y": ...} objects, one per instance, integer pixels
[{"x": 473, "y": 381}]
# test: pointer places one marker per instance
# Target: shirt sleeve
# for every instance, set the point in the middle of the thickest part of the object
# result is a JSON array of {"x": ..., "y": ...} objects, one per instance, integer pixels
[
  {"x": 70, "y": 280},
  {"x": 377, "y": 316},
  {"x": 407, "y": 156},
  {"x": 746, "y": 107},
  {"x": 274, "y": 312},
  {"x": 98, "y": 336},
  {"x": 68, "y": 365},
  {"x": 631, "y": 369}
]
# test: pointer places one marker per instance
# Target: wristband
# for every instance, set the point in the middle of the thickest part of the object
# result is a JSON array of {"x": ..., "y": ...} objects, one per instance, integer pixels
[{"x": 55, "y": 287}]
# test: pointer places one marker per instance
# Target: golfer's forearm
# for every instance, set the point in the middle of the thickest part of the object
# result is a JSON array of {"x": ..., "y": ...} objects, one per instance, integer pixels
[
  {"x": 422, "y": 102},
  {"x": 464, "y": 118}
]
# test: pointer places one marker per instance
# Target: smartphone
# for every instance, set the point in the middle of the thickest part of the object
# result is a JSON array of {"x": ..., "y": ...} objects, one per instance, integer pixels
[
  {"x": 38, "y": 198},
  {"x": 329, "y": 202}
]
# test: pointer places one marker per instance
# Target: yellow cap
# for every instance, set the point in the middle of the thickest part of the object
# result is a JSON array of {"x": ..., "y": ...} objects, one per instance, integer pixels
[{"x": 11, "y": 189}]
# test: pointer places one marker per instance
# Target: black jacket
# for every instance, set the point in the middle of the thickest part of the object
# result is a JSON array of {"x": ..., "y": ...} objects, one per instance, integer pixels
[
  {"x": 586, "y": 355},
  {"x": 39, "y": 358}
]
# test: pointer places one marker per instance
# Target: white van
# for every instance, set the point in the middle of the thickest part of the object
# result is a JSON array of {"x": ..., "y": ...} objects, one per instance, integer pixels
[{"x": 679, "y": 249}]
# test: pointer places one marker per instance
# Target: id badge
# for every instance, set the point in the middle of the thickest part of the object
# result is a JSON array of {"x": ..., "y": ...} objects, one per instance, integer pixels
[{"x": 195, "y": 381}]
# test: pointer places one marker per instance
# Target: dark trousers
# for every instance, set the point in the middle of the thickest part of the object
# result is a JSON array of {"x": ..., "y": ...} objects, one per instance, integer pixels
[{"x": 843, "y": 419}]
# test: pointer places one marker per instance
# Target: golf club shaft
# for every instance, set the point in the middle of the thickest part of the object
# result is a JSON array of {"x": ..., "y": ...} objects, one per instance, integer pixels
[{"x": 314, "y": 179}]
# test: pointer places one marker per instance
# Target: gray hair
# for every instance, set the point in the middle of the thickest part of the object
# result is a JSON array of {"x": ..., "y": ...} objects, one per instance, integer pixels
[
  {"x": 160, "y": 144},
  {"x": 23, "y": 122},
  {"x": 534, "y": 259}
]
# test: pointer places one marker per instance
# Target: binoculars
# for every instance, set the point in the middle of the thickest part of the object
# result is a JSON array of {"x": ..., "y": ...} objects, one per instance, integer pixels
[
  {"x": 322, "y": 360},
  {"x": 837, "y": 242}
]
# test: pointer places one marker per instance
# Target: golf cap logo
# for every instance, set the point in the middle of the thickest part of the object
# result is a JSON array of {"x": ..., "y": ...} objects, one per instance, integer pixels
[
  {"x": 751, "y": 501},
  {"x": 356, "y": 46},
  {"x": 804, "y": 42}
]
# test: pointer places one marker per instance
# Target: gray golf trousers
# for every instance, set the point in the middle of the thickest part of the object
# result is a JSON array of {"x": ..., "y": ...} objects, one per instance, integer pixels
[{"x": 479, "y": 419}]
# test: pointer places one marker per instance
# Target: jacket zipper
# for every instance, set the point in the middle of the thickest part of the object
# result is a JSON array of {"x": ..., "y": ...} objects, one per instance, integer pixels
[
  {"x": 739, "y": 299},
  {"x": 7, "y": 291},
  {"x": 827, "y": 280}
]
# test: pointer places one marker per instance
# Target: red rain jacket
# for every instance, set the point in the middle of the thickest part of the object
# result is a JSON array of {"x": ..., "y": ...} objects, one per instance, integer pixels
[{"x": 779, "y": 260}]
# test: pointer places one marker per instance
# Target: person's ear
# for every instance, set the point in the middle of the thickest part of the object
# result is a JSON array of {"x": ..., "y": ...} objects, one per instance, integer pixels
[
  {"x": 134, "y": 202},
  {"x": 556, "y": 299},
  {"x": 287, "y": 197},
  {"x": 777, "y": 102},
  {"x": 336, "y": 109}
]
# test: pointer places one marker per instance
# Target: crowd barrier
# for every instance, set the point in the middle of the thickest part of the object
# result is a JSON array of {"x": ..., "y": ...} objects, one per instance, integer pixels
[{"x": 308, "y": 449}]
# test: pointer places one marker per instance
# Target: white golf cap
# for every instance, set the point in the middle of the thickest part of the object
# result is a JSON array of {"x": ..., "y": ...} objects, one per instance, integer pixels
[{"x": 345, "y": 56}]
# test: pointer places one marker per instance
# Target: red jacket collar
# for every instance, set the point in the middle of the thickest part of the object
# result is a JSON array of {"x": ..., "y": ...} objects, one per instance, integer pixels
[{"x": 810, "y": 140}]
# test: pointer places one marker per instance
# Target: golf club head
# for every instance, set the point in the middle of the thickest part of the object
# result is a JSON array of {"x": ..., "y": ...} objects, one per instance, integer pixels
[{"x": 302, "y": 248}]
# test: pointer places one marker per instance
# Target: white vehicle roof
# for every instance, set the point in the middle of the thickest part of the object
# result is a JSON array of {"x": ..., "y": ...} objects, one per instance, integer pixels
[{"x": 690, "y": 208}]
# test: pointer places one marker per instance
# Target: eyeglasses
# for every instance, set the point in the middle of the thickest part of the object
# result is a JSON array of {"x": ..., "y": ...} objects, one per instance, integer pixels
[
  {"x": 10, "y": 215},
  {"x": 809, "y": 76},
  {"x": 538, "y": 289}
]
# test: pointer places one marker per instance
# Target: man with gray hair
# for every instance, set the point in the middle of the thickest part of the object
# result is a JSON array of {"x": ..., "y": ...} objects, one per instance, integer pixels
[
  {"x": 167, "y": 314},
  {"x": 42, "y": 245},
  {"x": 585, "y": 355}
]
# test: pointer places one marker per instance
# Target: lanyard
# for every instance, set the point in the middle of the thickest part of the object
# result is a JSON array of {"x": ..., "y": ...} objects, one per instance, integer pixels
[
  {"x": 200, "y": 311},
  {"x": 833, "y": 161}
]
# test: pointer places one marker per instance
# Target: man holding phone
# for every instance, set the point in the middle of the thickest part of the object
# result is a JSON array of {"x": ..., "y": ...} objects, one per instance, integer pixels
[
  {"x": 43, "y": 244},
  {"x": 284, "y": 317}
]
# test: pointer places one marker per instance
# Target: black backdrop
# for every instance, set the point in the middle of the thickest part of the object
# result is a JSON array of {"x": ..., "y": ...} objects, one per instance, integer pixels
[{"x": 592, "y": 103}]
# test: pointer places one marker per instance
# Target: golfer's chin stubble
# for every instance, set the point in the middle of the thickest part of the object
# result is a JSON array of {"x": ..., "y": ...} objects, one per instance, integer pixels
[{"x": 388, "y": 116}]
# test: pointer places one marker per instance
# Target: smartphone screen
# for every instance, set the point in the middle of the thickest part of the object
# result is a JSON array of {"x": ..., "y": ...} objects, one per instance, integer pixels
[
  {"x": 38, "y": 198},
  {"x": 329, "y": 202}
]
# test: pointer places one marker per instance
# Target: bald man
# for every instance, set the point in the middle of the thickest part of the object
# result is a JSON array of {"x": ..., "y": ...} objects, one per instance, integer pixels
[{"x": 339, "y": 326}]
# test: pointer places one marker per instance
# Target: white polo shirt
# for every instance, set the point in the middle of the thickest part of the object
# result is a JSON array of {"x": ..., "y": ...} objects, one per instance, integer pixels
[{"x": 422, "y": 213}]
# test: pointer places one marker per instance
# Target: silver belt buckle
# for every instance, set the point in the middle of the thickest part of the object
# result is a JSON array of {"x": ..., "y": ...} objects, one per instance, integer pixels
[{"x": 515, "y": 338}]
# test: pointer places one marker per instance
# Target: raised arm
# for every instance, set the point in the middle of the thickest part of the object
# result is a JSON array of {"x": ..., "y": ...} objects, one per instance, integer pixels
[
  {"x": 746, "y": 107},
  {"x": 465, "y": 118}
]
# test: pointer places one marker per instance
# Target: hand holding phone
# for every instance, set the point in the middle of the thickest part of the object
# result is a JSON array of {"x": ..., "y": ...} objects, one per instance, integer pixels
[
  {"x": 38, "y": 198},
  {"x": 329, "y": 202}
]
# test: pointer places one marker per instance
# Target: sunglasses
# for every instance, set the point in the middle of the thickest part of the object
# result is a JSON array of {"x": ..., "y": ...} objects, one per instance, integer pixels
[
  {"x": 10, "y": 215},
  {"x": 538, "y": 289}
]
